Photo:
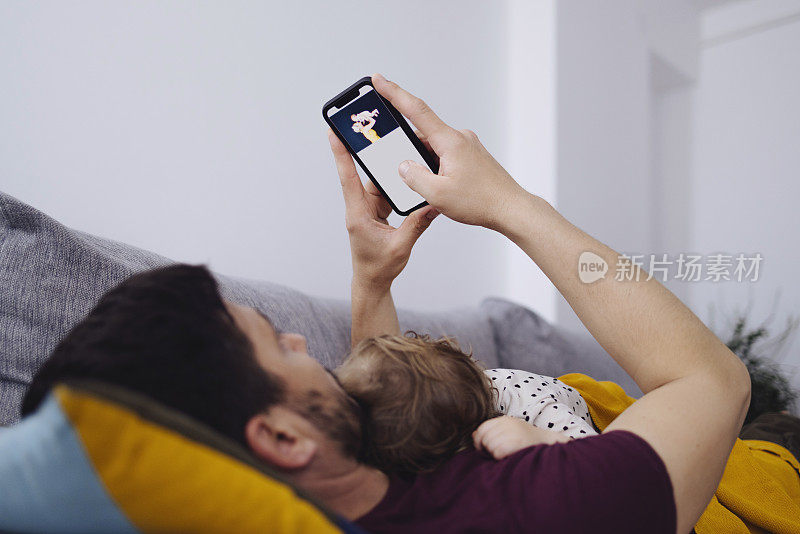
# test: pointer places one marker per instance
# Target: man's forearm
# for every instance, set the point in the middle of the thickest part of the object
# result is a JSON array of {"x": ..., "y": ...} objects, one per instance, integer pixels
[
  {"x": 372, "y": 311},
  {"x": 643, "y": 326}
]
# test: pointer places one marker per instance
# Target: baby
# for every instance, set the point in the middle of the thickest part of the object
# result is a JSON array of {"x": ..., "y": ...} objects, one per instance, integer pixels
[{"x": 426, "y": 399}]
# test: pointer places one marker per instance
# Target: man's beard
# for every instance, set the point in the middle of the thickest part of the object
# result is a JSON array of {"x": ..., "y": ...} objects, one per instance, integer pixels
[{"x": 340, "y": 417}]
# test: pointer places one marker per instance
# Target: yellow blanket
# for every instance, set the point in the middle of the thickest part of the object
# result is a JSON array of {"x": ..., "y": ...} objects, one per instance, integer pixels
[{"x": 760, "y": 488}]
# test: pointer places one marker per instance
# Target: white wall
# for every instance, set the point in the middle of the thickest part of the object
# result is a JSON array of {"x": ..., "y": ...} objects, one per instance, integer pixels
[
  {"x": 194, "y": 129},
  {"x": 605, "y": 117},
  {"x": 679, "y": 131},
  {"x": 531, "y": 118},
  {"x": 747, "y": 158}
]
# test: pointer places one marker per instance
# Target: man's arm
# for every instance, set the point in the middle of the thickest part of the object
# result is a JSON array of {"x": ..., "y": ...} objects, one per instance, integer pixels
[
  {"x": 650, "y": 333},
  {"x": 379, "y": 251},
  {"x": 696, "y": 390},
  {"x": 372, "y": 311}
]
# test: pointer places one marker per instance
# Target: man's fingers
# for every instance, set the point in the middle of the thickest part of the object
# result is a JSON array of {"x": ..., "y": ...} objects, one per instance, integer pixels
[
  {"x": 412, "y": 107},
  {"x": 348, "y": 176},
  {"x": 372, "y": 190},
  {"x": 414, "y": 225},
  {"x": 426, "y": 142},
  {"x": 380, "y": 206},
  {"x": 424, "y": 138},
  {"x": 420, "y": 179}
]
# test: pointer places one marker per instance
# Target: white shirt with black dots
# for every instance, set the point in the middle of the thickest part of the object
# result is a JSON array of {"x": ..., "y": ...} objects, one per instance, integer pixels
[{"x": 543, "y": 401}]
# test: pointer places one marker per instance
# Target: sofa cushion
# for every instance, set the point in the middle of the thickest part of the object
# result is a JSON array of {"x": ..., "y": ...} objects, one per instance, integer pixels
[
  {"x": 523, "y": 340},
  {"x": 98, "y": 458}
]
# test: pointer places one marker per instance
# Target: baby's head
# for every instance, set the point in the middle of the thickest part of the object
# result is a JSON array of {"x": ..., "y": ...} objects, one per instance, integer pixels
[{"x": 422, "y": 398}]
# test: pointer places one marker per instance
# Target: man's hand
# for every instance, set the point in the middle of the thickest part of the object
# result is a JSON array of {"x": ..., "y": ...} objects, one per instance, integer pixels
[
  {"x": 471, "y": 187},
  {"x": 503, "y": 436},
  {"x": 379, "y": 250}
]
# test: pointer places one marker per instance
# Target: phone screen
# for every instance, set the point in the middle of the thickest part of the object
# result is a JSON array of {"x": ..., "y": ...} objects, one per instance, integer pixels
[{"x": 369, "y": 128}]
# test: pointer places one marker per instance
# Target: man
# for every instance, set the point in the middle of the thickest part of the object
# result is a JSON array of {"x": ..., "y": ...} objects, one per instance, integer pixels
[
  {"x": 654, "y": 469},
  {"x": 167, "y": 333}
]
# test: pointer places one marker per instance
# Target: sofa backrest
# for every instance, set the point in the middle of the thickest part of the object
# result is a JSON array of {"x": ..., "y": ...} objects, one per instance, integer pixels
[{"x": 51, "y": 276}]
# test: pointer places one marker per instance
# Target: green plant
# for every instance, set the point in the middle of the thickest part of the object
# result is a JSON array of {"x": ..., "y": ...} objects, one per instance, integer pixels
[{"x": 771, "y": 390}]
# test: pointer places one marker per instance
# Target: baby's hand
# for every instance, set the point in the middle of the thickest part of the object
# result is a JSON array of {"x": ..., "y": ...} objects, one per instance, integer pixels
[{"x": 503, "y": 436}]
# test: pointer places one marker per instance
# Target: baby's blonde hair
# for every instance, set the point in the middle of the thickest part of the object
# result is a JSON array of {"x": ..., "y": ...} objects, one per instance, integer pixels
[{"x": 422, "y": 398}]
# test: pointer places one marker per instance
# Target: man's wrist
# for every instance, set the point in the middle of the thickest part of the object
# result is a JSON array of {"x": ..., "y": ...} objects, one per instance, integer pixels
[
  {"x": 370, "y": 287},
  {"x": 517, "y": 215}
]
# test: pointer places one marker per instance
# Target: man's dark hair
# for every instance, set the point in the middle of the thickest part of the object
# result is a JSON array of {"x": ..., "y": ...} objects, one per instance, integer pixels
[{"x": 166, "y": 334}]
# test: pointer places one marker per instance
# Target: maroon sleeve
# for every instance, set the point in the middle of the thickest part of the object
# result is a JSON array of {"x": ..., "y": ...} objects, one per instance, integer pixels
[{"x": 613, "y": 482}]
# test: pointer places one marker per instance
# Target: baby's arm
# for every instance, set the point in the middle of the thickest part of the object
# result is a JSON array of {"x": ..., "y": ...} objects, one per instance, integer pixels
[
  {"x": 503, "y": 436},
  {"x": 542, "y": 401}
]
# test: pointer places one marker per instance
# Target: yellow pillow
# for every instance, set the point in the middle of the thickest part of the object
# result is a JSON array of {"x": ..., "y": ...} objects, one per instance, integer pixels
[{"x": 167, "y": 473}]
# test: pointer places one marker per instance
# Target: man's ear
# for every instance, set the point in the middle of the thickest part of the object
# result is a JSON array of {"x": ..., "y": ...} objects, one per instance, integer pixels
[{"x": 277, "y": 437}]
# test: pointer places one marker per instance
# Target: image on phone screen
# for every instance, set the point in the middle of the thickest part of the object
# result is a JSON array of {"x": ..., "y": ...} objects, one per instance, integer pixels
[{"x": 369, "y": 128}]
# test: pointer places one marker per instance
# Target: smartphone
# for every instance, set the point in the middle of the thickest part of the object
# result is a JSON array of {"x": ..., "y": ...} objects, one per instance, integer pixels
[{"x": 379, "y": 138}]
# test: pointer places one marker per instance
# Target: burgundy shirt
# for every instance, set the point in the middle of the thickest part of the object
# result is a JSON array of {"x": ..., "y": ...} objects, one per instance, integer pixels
[{"x": 612, "y": 482}]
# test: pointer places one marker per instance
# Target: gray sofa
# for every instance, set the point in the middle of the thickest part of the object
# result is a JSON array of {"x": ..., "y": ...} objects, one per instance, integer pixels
[{"x": 51, "y": 276}]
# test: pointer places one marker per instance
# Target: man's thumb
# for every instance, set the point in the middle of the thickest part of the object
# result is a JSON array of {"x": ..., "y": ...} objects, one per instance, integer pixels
[{"x": 417, "y": 177}]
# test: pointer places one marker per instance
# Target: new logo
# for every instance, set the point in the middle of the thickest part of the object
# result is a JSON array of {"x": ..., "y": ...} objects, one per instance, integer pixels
[{"x": 591, "y": 267}]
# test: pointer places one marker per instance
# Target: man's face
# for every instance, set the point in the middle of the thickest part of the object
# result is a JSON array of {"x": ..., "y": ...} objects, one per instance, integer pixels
[
  {"x": 312, "y": 390},
  {"x": 285, "y": 355}
]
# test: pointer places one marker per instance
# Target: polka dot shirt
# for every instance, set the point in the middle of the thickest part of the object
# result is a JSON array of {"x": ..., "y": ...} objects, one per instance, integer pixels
[{"x": 543, "y": 401}]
